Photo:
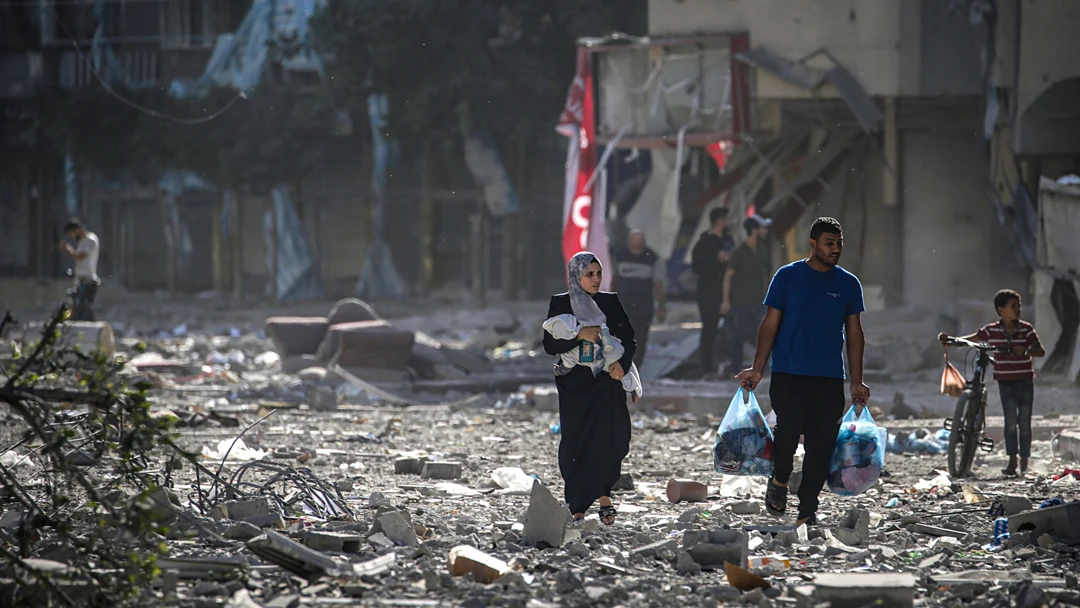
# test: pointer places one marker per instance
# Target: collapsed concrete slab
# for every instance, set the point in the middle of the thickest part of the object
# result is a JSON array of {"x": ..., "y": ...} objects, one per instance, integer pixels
[{"x": 1062, "y": 521}]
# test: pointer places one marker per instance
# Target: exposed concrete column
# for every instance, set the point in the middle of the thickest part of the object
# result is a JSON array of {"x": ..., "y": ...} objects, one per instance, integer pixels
[{"x": 893, "y": 212}]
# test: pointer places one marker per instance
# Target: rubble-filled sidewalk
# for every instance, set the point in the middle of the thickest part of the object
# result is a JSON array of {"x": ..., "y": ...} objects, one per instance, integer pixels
[{"x": 322, "y": 487}]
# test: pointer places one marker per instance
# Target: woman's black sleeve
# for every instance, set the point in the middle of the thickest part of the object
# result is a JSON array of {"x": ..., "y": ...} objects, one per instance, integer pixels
[
  {"x": 619, "y": 325},
  {"x": 553, "y": 345}
]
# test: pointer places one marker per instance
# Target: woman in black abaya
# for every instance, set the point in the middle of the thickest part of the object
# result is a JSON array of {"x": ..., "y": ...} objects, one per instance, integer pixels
[{"x": 592, "y": 403}]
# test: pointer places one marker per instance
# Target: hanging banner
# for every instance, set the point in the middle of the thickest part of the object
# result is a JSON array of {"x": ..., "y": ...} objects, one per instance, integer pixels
[{"x": 578, "y": 122}]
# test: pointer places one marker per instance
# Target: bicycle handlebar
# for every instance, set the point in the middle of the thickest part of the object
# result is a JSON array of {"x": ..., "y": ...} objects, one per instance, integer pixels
[{"x": 982, "y": 346}]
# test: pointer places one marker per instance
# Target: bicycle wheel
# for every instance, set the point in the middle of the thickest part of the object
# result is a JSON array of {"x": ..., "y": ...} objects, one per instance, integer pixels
[{"x": 962, "y": 438}]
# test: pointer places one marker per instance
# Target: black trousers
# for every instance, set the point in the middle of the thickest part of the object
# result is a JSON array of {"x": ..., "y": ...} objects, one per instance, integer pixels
[
  {"x": 710, "y": 319},
  {"x": 640, "y": 320},
  {"x": 810, "y": 406},
  {"x": 83, "y": 309}
]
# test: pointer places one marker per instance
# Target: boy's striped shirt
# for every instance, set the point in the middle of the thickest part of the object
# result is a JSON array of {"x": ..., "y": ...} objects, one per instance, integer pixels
[{"x": 1009, "y": 366}]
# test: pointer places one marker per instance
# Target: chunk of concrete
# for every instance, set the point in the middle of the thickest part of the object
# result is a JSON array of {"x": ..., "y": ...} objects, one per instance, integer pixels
[
  {"x": 711, "y": 548},
  {"x": 937, "y": 531},
  {"x": 1062, "y": 521},
  {"x": 1015, "y": 505},
  {"x": 746, "y": 507},
  {"x": 545, "y": 521},
  {"x": 654, "y": 549},
  {"x": 394, "y": 526},
  {"x": 441, "y": 470},
  {"x": 294, "y": 336},
  {"x": 685, "y": 564},
  {"x": 292, "y": 556},
  {"x": 332, "y": 542},
  {"x": 239, "y": 510},
  {"x": 857, "y": 521},
  {"x": 410, "y": 465},
  {"x": 485, "y": 568},
  {"x": 855, "y": 590},
  {"x": 1069, "y": 444}
]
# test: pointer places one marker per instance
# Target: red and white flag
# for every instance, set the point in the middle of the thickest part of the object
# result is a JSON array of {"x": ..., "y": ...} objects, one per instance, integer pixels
[{"x": 578, "y": 122}]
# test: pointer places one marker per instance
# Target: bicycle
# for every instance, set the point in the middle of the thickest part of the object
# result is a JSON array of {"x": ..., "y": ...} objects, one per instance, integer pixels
[{"x": 967, "y": 427}]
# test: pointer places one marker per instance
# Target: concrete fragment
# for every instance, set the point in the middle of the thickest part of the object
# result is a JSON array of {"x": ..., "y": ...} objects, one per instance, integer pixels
[
  {"x": 855, "y": 590},
  {"x": 578, "y": 550},
  {"x": 686, "y": 490},
  {"x": 1014, "y": 505},
  {"x": 848, "y": 537},
  {"x": 332, "y": 542},
  {"x": 920, "y": 528},
  {"x": 685, "y": 564},
  {"x": 242, "y": 531},
  {"x": 465, "y": 559},
  {"x": 858, "y": 522},
  {"x": 285, "y": 601},
  {"x": 380, "y": 541},
  {"x": 1062, "y": 521},
  {"x": 933, "y": 561},
  {"x": 292, "y": 556},
  {"x": 372, "y": 567},
  {"x": 322, "y": 398},
  {"x": 268, "y": 520},
  {"x": 374, "y": 345},
  {"x": 654, "y": 549},
  {"x": 441, "y": 470},
  {"x": 746, "y": 507},
  {"x": 546, "y": 519},
  {"x": 238, "y": 510},
  {"x": 394, "y": 526},
  {"x": 711, "y": 548}
]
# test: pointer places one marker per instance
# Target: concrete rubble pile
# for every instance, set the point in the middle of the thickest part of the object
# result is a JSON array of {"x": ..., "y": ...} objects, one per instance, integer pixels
[{"x": 344, "y": 496}]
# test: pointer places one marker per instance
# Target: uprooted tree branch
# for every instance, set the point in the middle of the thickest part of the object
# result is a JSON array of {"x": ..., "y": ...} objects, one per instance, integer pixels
[{"x": 82, "y": 513}]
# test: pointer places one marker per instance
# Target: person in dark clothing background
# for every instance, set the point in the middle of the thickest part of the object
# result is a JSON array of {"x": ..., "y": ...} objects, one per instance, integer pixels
[
  {"x": 813, "y": 306},
  {"x": 744, "y": 288},
  {"x": 595, "y": 434},
  {"x": 639, "y": 280},
  {"x": 709, "y": 261}
]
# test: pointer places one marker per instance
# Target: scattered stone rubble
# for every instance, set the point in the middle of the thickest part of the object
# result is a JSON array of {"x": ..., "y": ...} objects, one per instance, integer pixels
[{"x": 458, "y": 503}]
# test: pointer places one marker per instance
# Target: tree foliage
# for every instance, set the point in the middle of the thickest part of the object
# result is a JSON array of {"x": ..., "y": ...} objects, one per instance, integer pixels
[{"x": 509, "y": 62}]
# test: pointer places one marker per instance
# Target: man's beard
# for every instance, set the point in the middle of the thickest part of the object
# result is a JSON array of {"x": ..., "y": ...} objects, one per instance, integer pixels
[{"x": 826, "y": 260}]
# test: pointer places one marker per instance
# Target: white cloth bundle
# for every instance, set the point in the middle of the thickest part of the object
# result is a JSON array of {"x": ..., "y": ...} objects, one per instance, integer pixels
[{"x": 566, "y": 327}]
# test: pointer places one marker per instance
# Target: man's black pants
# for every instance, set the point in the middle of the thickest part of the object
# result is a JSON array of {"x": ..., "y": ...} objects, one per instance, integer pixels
[
  {"x": 710, "y": 319},
  {"x": 810, "y": 406},
  {"x": 83, "y": 301}
]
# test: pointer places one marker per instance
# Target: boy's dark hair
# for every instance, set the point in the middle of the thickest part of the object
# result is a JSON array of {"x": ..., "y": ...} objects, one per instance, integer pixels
[
  {"x": 1003, "y": 297},
  {"x": 823, "y": 225},
  {"x": 73, "y": 224},
  {"x": 717, "y": 214}
]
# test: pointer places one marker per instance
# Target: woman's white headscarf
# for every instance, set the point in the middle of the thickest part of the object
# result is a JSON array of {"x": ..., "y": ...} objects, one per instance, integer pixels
[{"x": 583, "y": 305}]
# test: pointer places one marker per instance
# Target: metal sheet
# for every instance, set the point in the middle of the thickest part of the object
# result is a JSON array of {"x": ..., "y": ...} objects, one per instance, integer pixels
[
  {"x": 796, "y": 73},
  {"x": 856, "y": 98}
]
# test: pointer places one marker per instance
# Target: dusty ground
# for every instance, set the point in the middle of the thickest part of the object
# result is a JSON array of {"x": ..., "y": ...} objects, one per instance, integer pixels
[{"x": 355, "y": 446}]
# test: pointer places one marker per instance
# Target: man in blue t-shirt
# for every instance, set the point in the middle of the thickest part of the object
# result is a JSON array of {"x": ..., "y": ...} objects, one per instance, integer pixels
[{"x": 811, "y": 305}]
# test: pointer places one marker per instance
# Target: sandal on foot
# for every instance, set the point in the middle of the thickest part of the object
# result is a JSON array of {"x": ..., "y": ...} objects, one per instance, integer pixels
[
  {"x": 607, "y": 514},
  {"x": 776, "y": 499}
]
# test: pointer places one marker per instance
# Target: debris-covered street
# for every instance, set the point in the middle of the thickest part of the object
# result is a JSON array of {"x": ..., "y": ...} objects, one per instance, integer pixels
[{"x": 314, "y": 488}]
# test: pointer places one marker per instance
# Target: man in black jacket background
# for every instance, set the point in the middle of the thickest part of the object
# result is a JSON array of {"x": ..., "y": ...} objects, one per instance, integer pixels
[{"x": 710, "y": 261}]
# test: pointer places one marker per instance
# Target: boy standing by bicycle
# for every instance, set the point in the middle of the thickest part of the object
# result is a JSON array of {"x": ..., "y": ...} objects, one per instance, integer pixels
[{"x": 1014, "y": 374}]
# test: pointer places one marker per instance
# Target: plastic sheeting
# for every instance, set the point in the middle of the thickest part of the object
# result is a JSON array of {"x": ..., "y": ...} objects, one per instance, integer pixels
[
  {"x": 297, "y": 273},
  {"x": 489, "y": 172},
  {"x": 379, "y": 277}
]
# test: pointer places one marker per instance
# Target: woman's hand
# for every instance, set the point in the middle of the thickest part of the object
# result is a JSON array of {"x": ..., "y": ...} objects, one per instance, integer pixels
[
  {"x": 616, "y": 371},
  {"x": 589, "y": 334}
]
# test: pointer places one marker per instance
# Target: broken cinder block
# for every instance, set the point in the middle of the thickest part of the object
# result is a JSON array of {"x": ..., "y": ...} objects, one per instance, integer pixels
[
  {"x": 711, "y": 548},
  {"x": 410, "y": 465},
  {"x": 441, "y": 470},
  {"x": 1062, "y": 521},
  {"x": 465, "y": 559},
  {"x": 240, "y": 510}
]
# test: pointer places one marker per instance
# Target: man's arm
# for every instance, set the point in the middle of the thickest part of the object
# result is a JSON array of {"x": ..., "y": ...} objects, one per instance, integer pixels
[
  {"x": 726, "y": 302},
  {"x": 856, "y": 345},
  {"x": 766, "y": 336},
  {"x": 71, "y": 251}
]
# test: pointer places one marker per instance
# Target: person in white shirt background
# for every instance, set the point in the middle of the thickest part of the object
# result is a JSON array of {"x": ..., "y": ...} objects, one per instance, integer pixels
[{"x": 85, "y": 253}]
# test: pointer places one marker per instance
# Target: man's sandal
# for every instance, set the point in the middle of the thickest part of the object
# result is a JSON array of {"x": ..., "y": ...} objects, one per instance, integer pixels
[
  {"x": 607, "y": 514},
  {"x": 776, "y": 499}
]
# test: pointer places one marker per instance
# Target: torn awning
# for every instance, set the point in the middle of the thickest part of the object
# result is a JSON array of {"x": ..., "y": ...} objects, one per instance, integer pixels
[{"x": 856, "y": 98}]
